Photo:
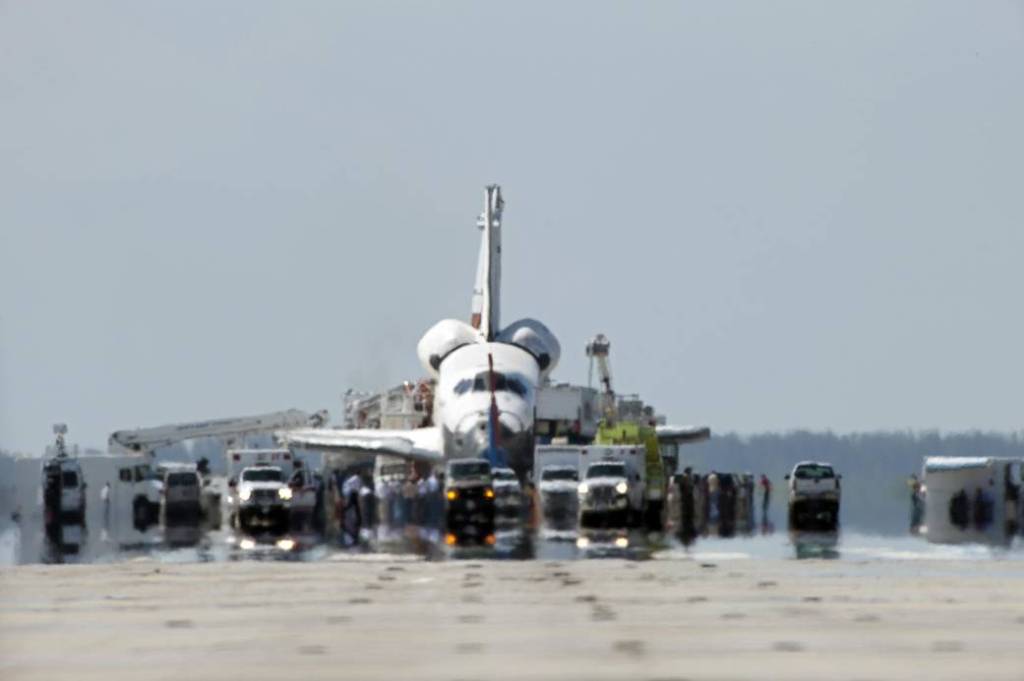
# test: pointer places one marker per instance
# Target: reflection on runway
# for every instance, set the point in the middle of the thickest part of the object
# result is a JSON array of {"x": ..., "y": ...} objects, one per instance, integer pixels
[
  {"x": 507, "y": 540},
  {"x": 823, "y": 545}
]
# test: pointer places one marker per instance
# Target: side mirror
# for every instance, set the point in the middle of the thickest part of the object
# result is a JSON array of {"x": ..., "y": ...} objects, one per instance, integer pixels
[
  {"x": 787, "y": 477},
  {"x": 232, "y": 482}
]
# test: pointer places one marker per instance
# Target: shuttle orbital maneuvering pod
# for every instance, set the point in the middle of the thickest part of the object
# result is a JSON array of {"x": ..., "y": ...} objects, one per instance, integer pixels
[{"x": 486, "y": 379}]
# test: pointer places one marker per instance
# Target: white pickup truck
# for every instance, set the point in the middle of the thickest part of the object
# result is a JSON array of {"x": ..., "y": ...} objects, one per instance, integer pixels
[
  {"x": 556, "y": 489},
  {"x": 508, "y": 493},
  {"x": 814, "y": 495},
  {"x": 261, "y": 499},
  {"x": 556, "y": 470},
  {"x": 612, "y": 490}
]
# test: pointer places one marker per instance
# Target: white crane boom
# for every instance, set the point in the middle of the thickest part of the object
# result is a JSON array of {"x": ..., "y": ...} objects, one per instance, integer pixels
[{"x": 145, "y": 440}]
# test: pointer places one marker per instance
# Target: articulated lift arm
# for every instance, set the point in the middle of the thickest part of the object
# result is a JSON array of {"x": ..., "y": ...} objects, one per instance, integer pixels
[{"x": 145, "y": 440}]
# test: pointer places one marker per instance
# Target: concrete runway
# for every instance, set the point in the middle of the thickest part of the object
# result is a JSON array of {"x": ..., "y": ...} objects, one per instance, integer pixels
[{"x": 611, "y": 619}]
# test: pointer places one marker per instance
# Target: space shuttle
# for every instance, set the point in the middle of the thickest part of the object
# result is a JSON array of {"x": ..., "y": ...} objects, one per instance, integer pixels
[{"x": 486, "y": 378}]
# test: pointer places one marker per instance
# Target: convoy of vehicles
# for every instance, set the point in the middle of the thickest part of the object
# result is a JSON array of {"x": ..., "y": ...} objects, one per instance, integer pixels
[
  {"x": 508, "y": 493},
  {"x": 182, "y": 488},
  {"x": 63, "y": 486},
  {"x": 145, "y": 488},
  {"x": 306, "y": 507},
  {"x": 240, "y": 459},
  {"x": 611, "y": 492},
  {"x": 261, "y": 499},
  {"x": 469, "y": 496},
  {"x": 556, "y": 472},
  {"x": 814, "y": 495},
  {"x": 63, "y": 491}
]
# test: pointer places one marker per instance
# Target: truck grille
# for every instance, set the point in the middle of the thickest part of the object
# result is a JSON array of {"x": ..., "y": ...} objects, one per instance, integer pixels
[
  {"x": 264, "y": 495},
  {"x": 602, "y": 495},
  {"x": 468, "y": 493}
]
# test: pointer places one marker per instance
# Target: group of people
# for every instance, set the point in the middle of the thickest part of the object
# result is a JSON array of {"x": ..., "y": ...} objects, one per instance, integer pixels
[
  {"x": 417, "y": 501},
  {"x": 724, "y": 500},
  {"x": 358, "y": 503}
]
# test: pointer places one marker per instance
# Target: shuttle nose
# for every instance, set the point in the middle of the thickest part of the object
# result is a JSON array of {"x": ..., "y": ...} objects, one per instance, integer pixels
[{"x": 473, "y": 428}]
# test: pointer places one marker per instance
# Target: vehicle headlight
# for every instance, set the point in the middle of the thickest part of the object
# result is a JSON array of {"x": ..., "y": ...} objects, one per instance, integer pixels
[
  {"x": 583, "y": 488},
  {"x": 247, "y": 544},
  {"x": 488, "y": 493},
  {"x": 622, "y": 488},
  {"x": 453, "y": 494},
  {"x": 622, "y": 542},
  {"x": 285, "y": 493},
  {"x": 582, "y": 542},
  {"x": 286, "y": 544},
  {"x": 244, "y": 494}
]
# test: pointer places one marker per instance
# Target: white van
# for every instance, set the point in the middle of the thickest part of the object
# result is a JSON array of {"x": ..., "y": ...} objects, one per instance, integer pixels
[{"x": 182, "y": 487}]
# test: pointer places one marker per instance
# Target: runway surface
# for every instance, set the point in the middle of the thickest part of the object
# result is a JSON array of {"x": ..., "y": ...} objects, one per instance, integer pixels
[{"x": 374, "y": 616}]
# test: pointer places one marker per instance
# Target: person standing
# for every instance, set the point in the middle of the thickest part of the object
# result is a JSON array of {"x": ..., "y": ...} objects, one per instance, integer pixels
[
  {"x": 916, "y": 502},
  {"x": 713, "y": 496},
  {"x": 105, "y": 498},
  {"x": 353, "y": 518},
  {"x": 766, "y": 497}
]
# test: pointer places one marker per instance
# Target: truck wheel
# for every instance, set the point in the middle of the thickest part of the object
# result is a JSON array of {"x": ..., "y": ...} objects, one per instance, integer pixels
[
  {"x": 140, "y": 513},
  {"x": 654, "y": 516},
  {"x": 832, "y": 516}
]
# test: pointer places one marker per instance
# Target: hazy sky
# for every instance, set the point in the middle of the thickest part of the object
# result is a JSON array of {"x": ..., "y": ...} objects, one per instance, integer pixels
[{"x": 782, "y": 214}]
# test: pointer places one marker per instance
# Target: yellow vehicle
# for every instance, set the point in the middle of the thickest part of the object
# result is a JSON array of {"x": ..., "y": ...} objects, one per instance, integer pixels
[
  {"x": 631, "y": 433},
  {"x": 627, "y": 421}
]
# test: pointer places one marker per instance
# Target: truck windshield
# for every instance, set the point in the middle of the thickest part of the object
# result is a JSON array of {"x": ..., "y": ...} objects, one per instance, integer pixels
[
  {"x": 469, "y": 469},
  {"x": 69, "y": 479},
  {"x": 606, "y": 470},
  {"x": 814, "y": 472},
  {"x": 559, "y": 474},
  {"x": 181, "y": 480},
  {"x": 503, "y": 474},
  {"x": 262, "y": 475}
]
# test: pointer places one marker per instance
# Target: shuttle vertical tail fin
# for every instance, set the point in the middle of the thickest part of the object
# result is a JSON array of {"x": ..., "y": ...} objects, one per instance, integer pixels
[
  {"x": 487, "y": 291},
  {"x": 495, "y": 454}
]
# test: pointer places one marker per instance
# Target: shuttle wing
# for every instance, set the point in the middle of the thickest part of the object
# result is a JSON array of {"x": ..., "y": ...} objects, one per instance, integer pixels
[
  {"x": 421, "y": 444},
  {"x": 682, "y": 434}
]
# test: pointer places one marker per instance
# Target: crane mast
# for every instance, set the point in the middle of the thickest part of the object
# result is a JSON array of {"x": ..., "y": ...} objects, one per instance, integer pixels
[
  {"x": 145, "y": 440},
  {"x": 597, "y": 350}
]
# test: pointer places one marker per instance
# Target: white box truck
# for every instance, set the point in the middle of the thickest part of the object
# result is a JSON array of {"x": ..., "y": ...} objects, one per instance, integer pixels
[
  {"x": 567, "y": 412},
  {"x": 556, "y": 474},
  {"x": 612, "y": 488},
  {"x": 972, "y": 499}
]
